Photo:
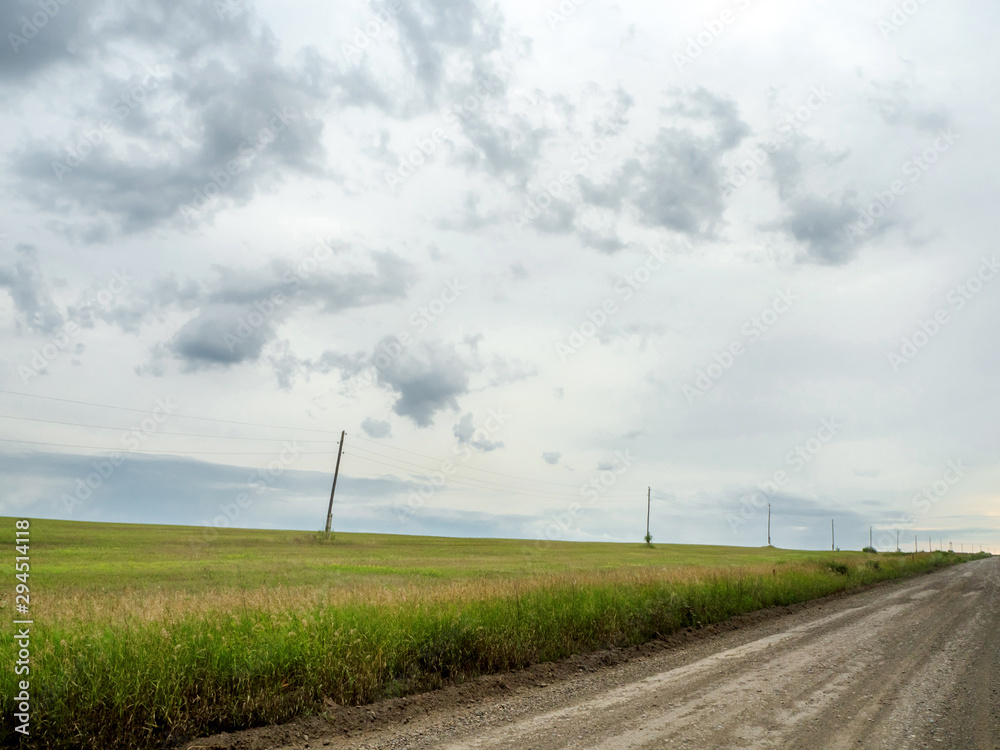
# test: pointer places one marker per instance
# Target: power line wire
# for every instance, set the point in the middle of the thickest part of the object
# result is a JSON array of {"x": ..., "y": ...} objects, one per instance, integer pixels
[
  {"x": 181, "y": 453},
  {"x": 471, "y": 468},
  {"x": 511, "y": 491},
  {"x": 180, "y": 416},
  {"x": 158, "y": 432},
  {"x": 538, "y": 492}
]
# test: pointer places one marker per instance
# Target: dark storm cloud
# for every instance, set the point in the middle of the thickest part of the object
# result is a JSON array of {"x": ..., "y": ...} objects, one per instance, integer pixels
[
  {"x": 28, "y": 288},
  {"x": 223, "y": 118},
  {"x": 427, "y": 378}
]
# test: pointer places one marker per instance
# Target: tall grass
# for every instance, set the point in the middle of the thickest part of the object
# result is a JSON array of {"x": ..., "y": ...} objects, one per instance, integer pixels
[{"x": 137, "y": 682}]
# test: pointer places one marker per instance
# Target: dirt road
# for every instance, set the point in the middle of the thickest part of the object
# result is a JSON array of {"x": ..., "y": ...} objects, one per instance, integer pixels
[{"x": 911, "y": 664}]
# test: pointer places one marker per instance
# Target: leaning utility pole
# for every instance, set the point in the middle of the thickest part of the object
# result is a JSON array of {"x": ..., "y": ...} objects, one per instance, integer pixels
[
  {"x": 769, "y": 524},
  {"x": 336, "y": 471}
]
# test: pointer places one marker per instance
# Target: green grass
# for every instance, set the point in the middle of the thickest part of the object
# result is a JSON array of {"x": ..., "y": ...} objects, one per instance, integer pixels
[{"x": 148, "y": 633}]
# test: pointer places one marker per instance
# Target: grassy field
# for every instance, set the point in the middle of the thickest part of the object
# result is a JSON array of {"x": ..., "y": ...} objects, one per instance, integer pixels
[{"x": 144, "y": 634}]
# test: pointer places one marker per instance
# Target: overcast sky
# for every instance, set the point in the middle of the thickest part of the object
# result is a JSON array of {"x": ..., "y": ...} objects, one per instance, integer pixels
[{"x": 738, "y": 252}]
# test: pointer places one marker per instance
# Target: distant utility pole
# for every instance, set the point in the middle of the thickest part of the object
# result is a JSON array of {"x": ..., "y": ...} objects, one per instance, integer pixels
[
  {"x": 833, "y": 538},
  {"x": 870, "y": 537},
  {"x": 769, "y": 524},
  {"x": 336, "y": 471},
  {"x": 930, "y": 547},
  {"x": 648, "y": 537},
  {"x": 897, "y": 540},
  {"x": 915, "y": 543}
]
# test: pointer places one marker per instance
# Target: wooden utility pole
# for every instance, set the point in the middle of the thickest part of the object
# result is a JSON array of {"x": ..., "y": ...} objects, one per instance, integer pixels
[
  {"x": 648, "y": 537},
  {"x": 915, "y": 543},
  {"x": 833, "y": 538},
  {"x": 336, "y": 471},
  {"x": 769, "y": 524},
  {"x": 897, "y": 540}
]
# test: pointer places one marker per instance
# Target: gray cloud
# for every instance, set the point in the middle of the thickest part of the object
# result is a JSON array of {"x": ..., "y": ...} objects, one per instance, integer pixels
[
  {"x": 820, "y": 224},
  {"x": 676, "y": 181},
  {"x": 465, "y": 432},
  {"x": 429, "y": 30},
  {"x": 896, "y": 104},
  {"x": 427, "y": 378},
  {"x": 225, "y": 118},
  {"x": 27, "y": 287},
  {"x": 376, "y": 428},
  {"x": 239, "y": 314},
  {"x": 551, "y": 457},
  {"x": 28, "y": 49}
]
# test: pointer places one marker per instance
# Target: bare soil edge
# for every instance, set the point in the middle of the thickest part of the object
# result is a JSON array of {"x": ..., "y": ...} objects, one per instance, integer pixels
[{"x": 351, "y": 721}]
